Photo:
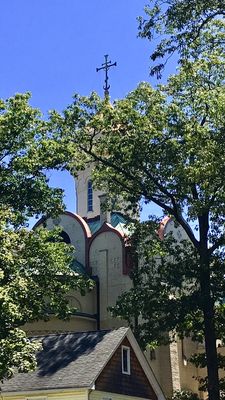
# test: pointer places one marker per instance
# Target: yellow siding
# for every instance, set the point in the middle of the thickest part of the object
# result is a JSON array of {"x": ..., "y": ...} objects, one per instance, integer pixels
[
  {"x": 54, "y": 395},
  {"x": 96, "y": 395}
]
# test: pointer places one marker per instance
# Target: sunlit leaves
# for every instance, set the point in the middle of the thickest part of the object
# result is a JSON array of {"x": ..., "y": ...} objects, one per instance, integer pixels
[
  {"x": 176, "y": 25},
  {"x": 166, "y": 146},
  {"x": 35, "y": 269}
]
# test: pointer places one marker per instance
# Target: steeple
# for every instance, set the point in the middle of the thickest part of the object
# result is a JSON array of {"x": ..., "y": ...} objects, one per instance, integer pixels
[{"x": 88, "y": 198}]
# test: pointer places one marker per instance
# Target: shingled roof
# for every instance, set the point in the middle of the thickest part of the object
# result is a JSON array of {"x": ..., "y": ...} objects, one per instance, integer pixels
[{"x": 70, "y": 360}]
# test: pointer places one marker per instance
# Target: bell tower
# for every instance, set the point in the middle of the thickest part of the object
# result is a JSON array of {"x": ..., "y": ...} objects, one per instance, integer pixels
[{"x": 87, "y": 198}]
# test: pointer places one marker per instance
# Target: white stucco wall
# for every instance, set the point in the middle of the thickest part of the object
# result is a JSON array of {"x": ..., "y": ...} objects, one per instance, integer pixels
[
  {"x": 75, "y": 231},
  {"x": 81, "y": 193},
  {"x": 106, "y": 261},
  {"x": 177, "y": 231}
]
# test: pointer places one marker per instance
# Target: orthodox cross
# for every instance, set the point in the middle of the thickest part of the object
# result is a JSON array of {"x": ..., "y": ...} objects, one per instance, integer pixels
[{"x": 106, "y": 65}]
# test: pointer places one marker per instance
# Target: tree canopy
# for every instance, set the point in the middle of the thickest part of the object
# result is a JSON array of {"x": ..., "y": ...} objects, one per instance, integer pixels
[
  {"x": 166, "y": 146},
  {"x": 174, "y": 25},
  {"x": 35, "y": 269}
]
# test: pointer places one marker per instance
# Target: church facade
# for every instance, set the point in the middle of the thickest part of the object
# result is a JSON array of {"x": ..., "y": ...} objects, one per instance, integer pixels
[{"x": 100, "y": 240}]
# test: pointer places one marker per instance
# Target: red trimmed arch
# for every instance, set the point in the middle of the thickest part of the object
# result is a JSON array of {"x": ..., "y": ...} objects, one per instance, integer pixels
[{"x": 108, "y": 228}]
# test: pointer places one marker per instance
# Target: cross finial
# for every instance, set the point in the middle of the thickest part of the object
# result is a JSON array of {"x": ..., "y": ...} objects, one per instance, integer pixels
[{"x": 106, "y": 65}]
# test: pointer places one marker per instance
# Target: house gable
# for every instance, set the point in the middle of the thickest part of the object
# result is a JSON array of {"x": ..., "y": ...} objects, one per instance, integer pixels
[
  {"x": 88, "y": 361},
  {"x": 113, "y": 380}
]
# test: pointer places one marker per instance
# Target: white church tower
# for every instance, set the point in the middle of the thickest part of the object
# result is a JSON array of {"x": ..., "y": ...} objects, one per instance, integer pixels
[{"x": 87, "y": 199}]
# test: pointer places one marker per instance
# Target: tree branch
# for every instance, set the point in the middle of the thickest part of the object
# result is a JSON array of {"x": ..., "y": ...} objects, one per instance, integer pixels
[
  {"x": 206, "y": 20},
  {"x": 171, "y": 210},
  {"x": 219, "y": 242}
]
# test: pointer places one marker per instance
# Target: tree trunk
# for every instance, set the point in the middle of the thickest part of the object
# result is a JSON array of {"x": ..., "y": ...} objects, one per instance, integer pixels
[
  {"x": 209, "y": 331},
  {"x": 211, "y": 357}
]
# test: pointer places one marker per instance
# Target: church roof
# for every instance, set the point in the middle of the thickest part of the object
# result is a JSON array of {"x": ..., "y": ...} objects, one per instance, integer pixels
[
  {"x": 116, "y": 220},
  {"x": 76, "y": 266},
  {"x": 70, "y": 360}
]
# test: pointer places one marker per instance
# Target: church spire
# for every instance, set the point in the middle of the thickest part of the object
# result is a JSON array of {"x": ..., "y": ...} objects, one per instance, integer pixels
[{"x": 105, "y": 66}]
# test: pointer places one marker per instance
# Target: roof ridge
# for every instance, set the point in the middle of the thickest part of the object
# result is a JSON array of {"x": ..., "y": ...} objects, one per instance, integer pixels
[{"x": 77, "y": 333}]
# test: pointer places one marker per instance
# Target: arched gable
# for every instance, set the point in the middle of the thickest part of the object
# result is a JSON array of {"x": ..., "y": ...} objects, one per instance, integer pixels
[
  {"x": 75, "y": 228},
  {"x": 162, "y": 227},
  {"x": 104, "y": 238},
  {"x": 106, "y": 258},
  {"x": 168, "y": 225}
]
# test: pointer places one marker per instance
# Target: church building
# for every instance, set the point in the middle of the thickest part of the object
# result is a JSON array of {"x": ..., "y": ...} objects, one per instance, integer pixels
[
  {"x": 103, "y": 254},
  {"x": 100, "y": 241},
  {"x": 91, "y": 356}
]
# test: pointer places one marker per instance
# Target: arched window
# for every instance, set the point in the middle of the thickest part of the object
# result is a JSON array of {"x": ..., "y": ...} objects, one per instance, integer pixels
[
  {"x": 65, "y": 237},
  {"x": 89, "y": 196}
]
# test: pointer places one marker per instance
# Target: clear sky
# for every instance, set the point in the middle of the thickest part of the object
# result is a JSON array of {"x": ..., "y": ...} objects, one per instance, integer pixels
[{"x": 52, "y": 48}]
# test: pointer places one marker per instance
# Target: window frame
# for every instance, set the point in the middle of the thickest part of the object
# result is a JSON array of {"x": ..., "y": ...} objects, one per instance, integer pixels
[
  {"x": 128, "y": 360},
  {"x": 89, "y": 196}
]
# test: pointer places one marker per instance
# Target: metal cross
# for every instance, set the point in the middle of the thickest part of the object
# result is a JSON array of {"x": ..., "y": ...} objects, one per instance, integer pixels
[{"x": 106, "y": 65}]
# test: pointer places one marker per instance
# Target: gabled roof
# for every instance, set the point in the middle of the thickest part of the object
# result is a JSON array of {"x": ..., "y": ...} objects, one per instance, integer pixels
[
  {"x": 71, "y": 360},
  {"x": 75, "y": 360}
]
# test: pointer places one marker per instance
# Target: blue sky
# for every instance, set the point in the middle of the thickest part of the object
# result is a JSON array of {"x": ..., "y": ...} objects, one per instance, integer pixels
[{"x": 52, "y": 48}]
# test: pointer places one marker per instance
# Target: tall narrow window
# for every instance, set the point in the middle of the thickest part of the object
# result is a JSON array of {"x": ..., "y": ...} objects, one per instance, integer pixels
[
  {"x": 89, "y": 196},
  {"x": 125, "y": 360}
]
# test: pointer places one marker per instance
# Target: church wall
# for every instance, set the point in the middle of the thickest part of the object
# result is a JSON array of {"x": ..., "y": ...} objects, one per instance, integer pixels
[
  {"x": 187, "y": 370},
  {"x": 161, "y": 367},
  {"x": 106, "y": 260},
  {"x": 177, "y": 231},
  {"x": 75, "y": 231},
  {"x": 54, "y": 325},
  {"x": 182, "y": 370},
  {"x": 84, "y": 304},
  {"x": 221, "y": 350}
]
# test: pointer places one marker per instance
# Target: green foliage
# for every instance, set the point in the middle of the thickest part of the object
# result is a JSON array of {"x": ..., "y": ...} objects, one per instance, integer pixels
[
  {"x": 34, "y": 278},
  {"x": 35, "y": 269},
  {"x": 164, "y": 297},
  {"x": 184, "y": 395},
  {"x": 178, "y": 24},
  {"x": 26, "y": 149},
  {"x": 166, "y": 146}
]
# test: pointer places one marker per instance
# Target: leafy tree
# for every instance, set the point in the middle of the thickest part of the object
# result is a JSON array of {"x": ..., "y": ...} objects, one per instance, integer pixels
[
  {"x": 34, "y": 265},
  {"x": 166, "y": 146},
  {"x": 184, "y": 395},
  {"x": 178, "y": 24}
]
